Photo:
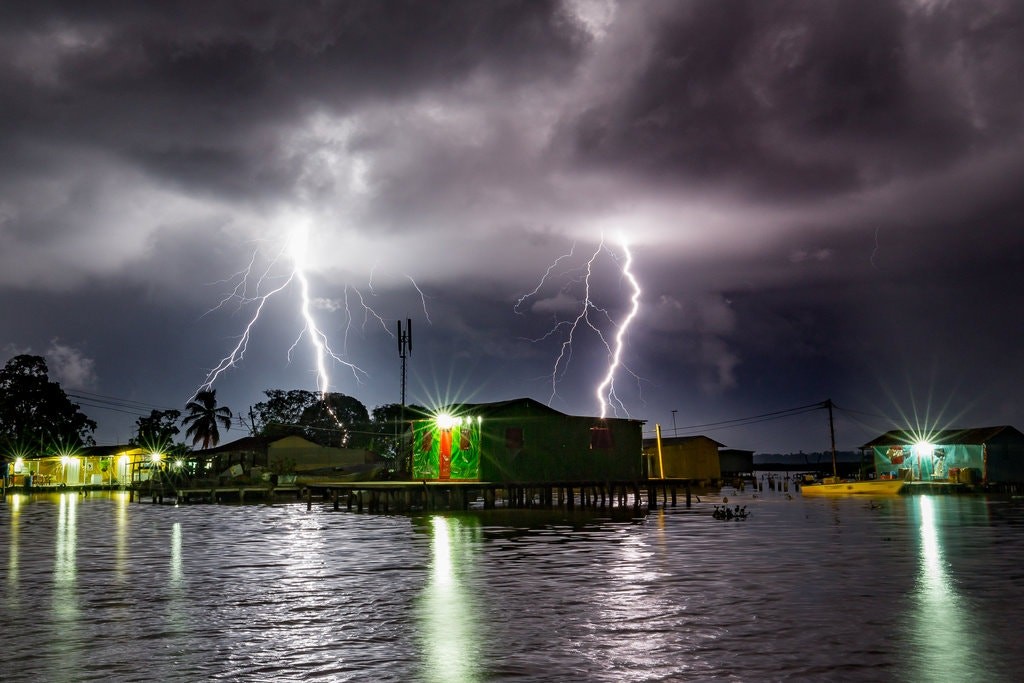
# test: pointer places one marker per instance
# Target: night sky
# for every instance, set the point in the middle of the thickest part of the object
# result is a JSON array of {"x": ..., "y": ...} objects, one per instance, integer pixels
[{"x": 821, "y": 200}]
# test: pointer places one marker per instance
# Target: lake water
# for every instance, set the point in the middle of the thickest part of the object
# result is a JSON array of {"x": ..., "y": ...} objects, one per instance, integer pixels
[{"x": 910, "y": 588}]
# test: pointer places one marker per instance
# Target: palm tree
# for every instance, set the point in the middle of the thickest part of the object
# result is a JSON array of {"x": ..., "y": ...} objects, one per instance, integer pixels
[{"x": 205, "y": 416}]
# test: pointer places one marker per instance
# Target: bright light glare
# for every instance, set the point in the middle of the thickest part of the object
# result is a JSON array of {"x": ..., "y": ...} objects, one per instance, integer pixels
[
  {"x": 445, "y": 421},
  {"x": 924, "y": 448},
  {"x": 178, "y": 463},
  {"x": 155, "y": 457}
]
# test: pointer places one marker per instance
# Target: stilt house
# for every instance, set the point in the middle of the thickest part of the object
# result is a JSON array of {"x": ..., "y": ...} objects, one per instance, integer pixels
[{"x": 524, "y": 441}]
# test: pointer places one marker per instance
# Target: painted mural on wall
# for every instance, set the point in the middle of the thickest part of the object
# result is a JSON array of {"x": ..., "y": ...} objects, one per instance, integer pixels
[
  {"x": 446, "y": 448},
  {"x": 928, "y": 462}
]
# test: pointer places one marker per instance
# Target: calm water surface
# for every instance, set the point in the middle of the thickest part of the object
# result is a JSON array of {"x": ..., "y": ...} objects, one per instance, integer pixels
[{"x": 911, "y": 588}]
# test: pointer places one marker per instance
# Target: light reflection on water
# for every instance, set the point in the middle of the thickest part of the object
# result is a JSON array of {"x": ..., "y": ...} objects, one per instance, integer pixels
[
  {"x": 906, "y": 588},
  {"x": 447, "y": 610}
]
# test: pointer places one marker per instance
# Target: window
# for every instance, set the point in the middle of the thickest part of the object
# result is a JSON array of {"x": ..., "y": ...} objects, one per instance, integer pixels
[
  {"x": 514, "y": 437},
  {"x": 600, "y": 438}
]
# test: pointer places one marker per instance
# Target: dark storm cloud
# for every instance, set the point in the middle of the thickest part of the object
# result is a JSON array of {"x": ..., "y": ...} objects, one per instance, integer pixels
[
  {"x": 812, "y": 98},
  {"x": 810, "y": 189},
  {"x": 197, "y": 92}
]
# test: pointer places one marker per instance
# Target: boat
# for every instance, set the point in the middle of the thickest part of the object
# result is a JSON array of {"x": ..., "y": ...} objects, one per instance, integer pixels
[{"x": 834, "y": 486}]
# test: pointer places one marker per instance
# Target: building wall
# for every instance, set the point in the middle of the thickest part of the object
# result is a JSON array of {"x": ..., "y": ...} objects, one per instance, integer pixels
[
  {"x": 561, "y": 448},
  {"x": 691, "y": 459},
  {"x": 1005, "y": 461},
  {"x": 731, "y": 462},
  {"x": 80, "y": 470},
  {"x": 306, "y": 455},
  {"x": 522, "y": 445}
]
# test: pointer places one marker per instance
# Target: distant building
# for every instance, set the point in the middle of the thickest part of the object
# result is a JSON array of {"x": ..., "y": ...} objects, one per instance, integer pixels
[
  {"x": 287, "y": 454},
  {"x": 524, "y": 441},
  {"x": 100, "y": 466},
  {"x": 973, "y": 455},
  {"x": 684, "y": 457},
  {"x": 735, "y": 462}
]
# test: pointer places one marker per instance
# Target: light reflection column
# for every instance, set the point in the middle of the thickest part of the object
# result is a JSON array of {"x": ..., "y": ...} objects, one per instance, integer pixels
[
  {"x": 449, "y": 633},
  {"x": 67, "y": 614},
  {"x": 121, "y": 538},
  {"x": 943, "y": 633},
  {"x": 13, "y": 550}
]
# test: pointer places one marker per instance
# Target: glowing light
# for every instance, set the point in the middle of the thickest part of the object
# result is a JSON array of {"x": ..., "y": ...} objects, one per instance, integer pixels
[
  {"x": 445, "y": 421},
  {"x": 178, "y": 464},
  {"x": 605, "y": 391},
  {"x": 924, "y": 448},
  {"x": 65, "y": 461},
  {"x": 155, "y": 457},
  {"x": 19, "y": 464}
]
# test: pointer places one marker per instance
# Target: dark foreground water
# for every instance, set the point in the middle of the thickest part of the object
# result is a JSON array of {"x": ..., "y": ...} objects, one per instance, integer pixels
[{"x": 901, "y": 589}]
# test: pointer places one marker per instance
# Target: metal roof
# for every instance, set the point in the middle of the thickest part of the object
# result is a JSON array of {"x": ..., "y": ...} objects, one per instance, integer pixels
[{"x": 966, "y": 436}]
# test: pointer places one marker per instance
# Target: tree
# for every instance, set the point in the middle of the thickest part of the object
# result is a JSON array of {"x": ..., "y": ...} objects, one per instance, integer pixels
[
  {"x": 388, "y": 426},
  {"x": 157, "y": 431},
  {"x": 335, "y": 420},
  {"x": 35, "y": 412},
  {"x": 281, "y": 413},
  {"x": 204, "y": 418}
]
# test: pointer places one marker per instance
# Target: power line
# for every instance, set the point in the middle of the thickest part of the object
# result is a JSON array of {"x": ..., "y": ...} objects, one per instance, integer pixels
[
  {"x": 112, "y": 403},
  {"x": 754, "y": 419}
]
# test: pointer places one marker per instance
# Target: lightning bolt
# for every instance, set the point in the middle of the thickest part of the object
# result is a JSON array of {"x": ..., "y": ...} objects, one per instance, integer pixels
[
  {"x": 590, "y": 316},
  {"x": 294, "y": 251},
  {"x": 606, "y": 390}
]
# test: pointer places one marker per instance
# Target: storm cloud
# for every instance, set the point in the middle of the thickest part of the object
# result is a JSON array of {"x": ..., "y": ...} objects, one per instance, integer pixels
[{"x": 821, "y": 199}]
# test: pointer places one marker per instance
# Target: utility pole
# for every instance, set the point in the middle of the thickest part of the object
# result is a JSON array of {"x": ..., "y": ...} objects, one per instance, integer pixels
[
  {"x": 832, "y": 433},
  {"x": 404, "y": 351},
  {"x": 675, "y": 432}
]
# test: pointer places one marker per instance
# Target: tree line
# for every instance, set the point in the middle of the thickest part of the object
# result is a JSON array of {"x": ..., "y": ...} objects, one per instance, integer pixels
[{"x": 37, "y": 418}]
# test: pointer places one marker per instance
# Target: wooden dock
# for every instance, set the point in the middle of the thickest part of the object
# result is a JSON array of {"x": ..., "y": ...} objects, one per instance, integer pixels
[
  {"x": 405, "y": 496},
  {"x": 216, "y": 494}
]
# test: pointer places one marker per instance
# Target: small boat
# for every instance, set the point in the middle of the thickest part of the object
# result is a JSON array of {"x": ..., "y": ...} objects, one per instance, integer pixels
[{"x": 834, "y": 486}]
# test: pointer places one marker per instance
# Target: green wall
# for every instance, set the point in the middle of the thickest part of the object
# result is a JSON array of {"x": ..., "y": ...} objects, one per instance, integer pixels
[{"x": 554, "y": 447}]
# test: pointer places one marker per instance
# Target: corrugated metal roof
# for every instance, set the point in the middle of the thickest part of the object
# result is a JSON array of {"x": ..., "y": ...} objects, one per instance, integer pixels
[{"x": 968, "y": 435}]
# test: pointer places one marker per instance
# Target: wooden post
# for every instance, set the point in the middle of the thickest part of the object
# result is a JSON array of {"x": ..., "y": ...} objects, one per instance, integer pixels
[
  {"x": 309, "y": 499},
  {"x": 336, "y": 503},
  {"x": 687, "y": 493}
]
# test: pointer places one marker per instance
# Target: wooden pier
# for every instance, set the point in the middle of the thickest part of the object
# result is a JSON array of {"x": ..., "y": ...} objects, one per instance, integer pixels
[
  {"x": 215, "y": 494},
  {"x": 404, "y": 496}
]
